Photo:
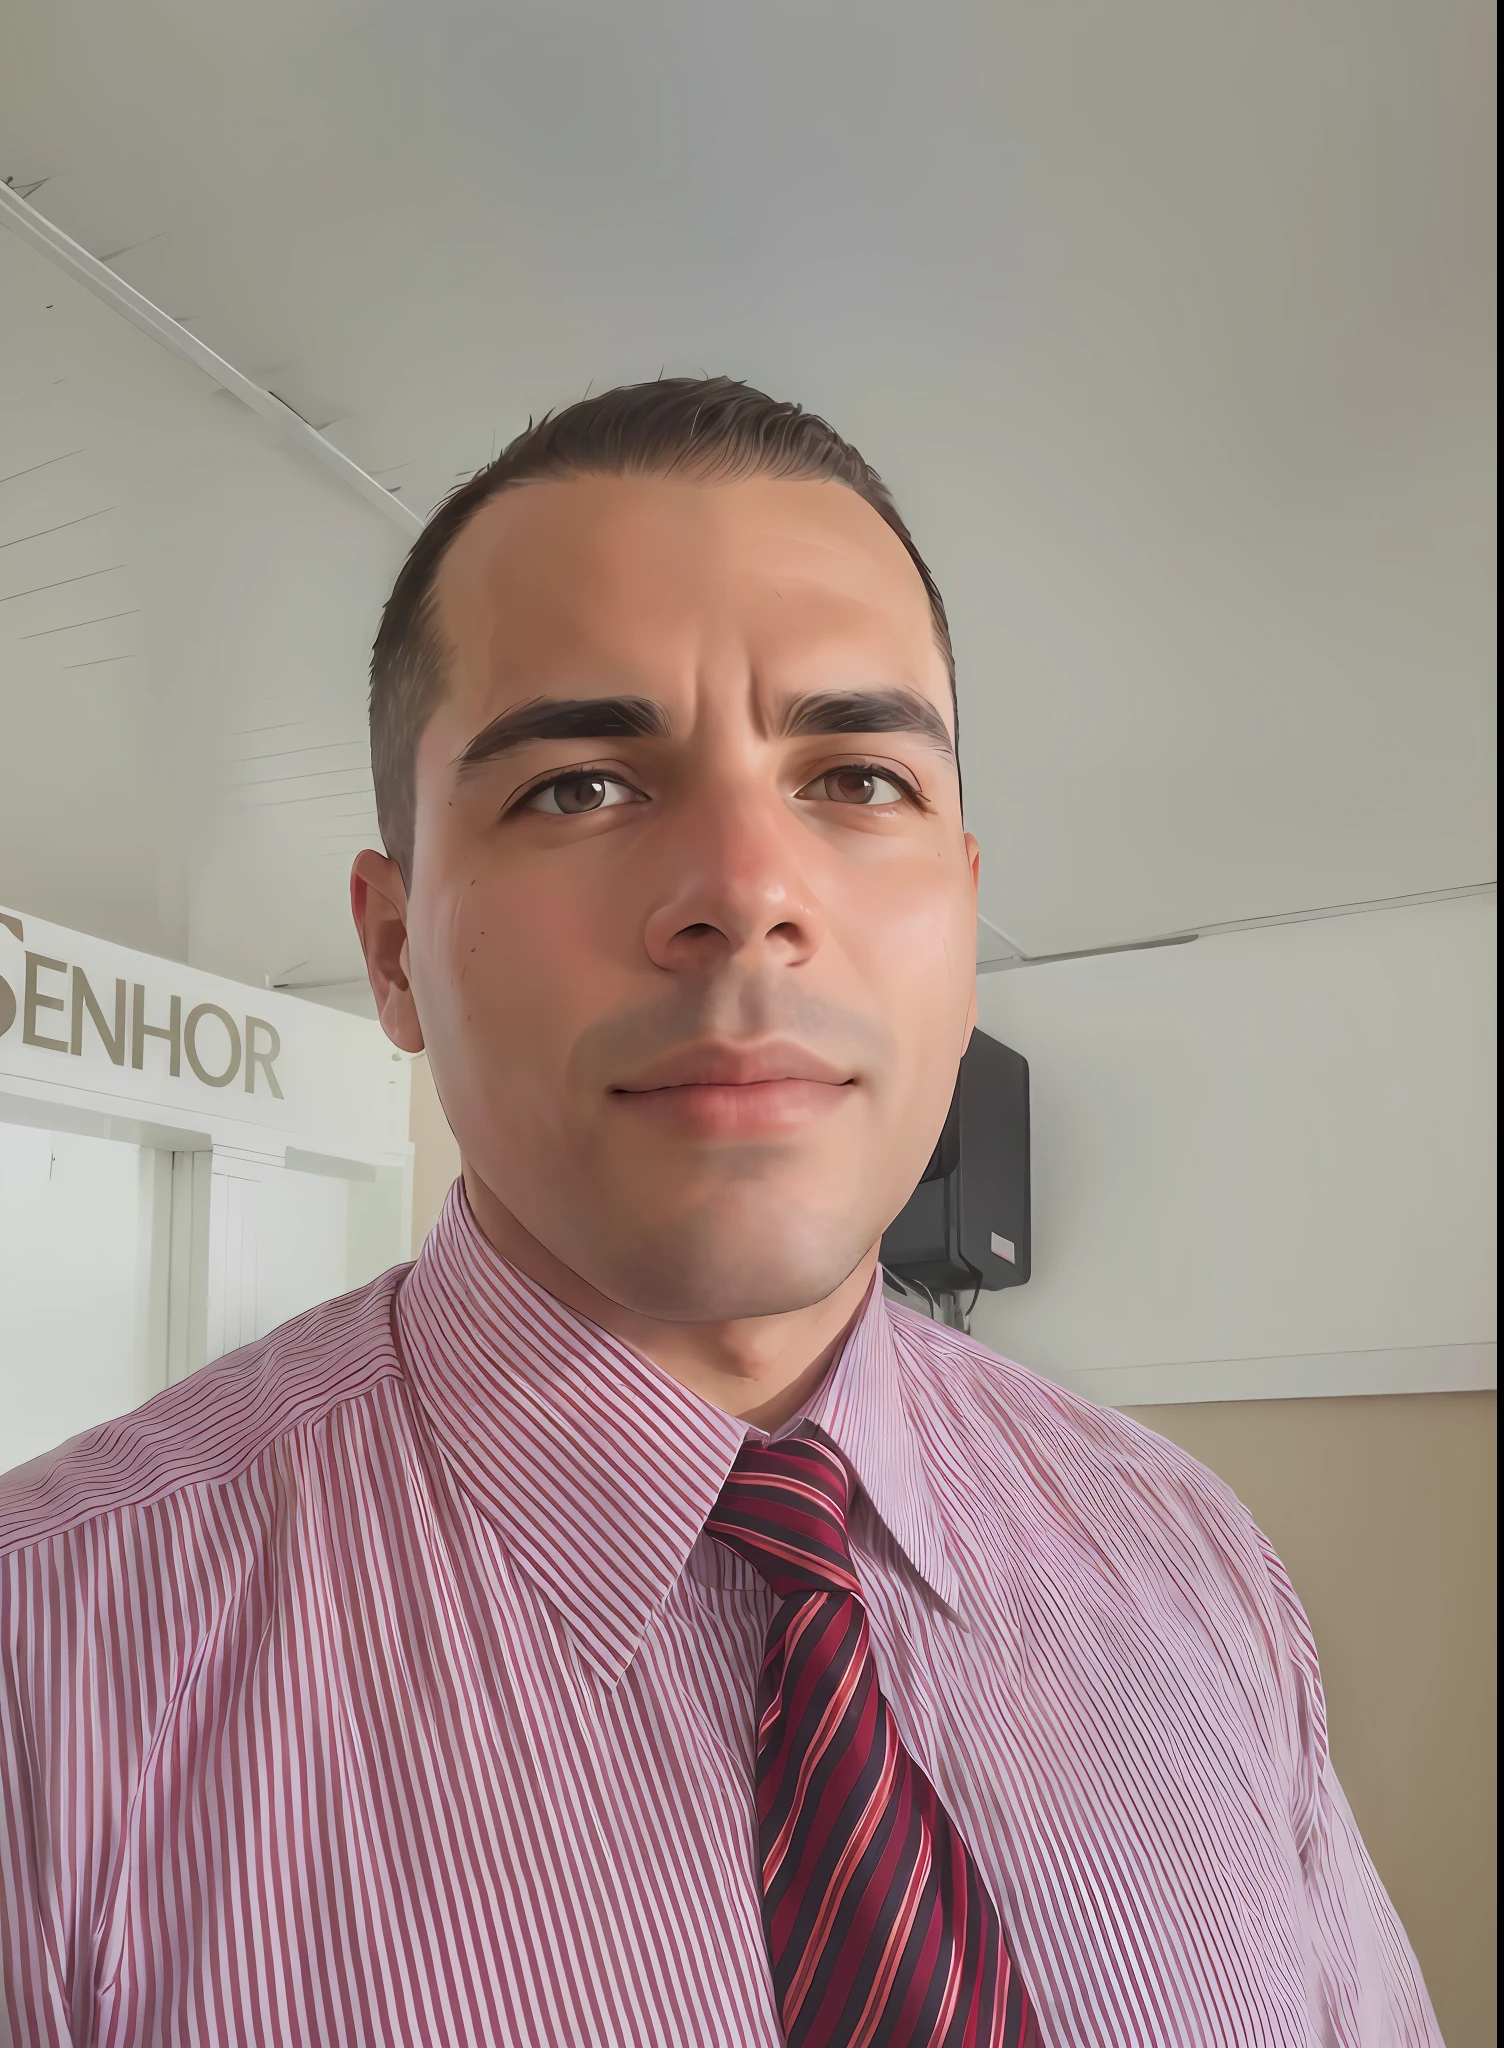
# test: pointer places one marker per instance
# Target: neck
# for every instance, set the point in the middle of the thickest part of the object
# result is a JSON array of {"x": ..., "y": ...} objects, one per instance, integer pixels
[{"x": 761, "y": 1369}]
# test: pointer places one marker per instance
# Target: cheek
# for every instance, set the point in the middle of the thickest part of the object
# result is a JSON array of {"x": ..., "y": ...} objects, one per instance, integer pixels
[
  {"x": 910, "y": 935},
  {"x": 911, "y": 926},
  {"x": 510, "y": 964}
]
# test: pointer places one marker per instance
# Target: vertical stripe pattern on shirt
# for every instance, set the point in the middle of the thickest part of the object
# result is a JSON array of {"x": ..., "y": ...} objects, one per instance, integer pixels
[
  {"x": 380, "y": 1686},
  {"x": 880, "y": 1929}
]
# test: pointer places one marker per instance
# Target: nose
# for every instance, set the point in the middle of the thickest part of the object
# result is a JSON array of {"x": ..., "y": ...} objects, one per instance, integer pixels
[{"x": 736, "y": 889}]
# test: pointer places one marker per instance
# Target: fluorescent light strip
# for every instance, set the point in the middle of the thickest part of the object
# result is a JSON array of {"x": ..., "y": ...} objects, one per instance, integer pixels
[{"x": 35, "y": 228}]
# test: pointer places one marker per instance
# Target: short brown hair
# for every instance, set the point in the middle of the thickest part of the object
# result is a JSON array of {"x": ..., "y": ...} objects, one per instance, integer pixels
[{"x": 699, "y": 426}]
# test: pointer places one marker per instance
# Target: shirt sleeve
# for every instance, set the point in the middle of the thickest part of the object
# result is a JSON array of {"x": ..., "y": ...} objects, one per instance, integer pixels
[{"x": 1366, "y": 1987}]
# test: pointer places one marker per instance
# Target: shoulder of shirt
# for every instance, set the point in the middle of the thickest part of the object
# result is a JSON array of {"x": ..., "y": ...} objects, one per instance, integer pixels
[
  {"x": 993, "y": 1403},
  {"x": 209, "y": 1428},
  {"x": 1141, "y": 1496}
]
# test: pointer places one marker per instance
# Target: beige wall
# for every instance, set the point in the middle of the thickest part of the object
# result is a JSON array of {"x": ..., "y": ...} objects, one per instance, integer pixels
[
  {"x": 436, "y": 1157},
  {"x": 1383, "y": 1510}
]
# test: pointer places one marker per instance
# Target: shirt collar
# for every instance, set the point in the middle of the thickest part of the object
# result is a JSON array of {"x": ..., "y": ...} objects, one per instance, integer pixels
[
  {"x": 860, "y": 1405},
  {"x": 598, "y": 1469}
]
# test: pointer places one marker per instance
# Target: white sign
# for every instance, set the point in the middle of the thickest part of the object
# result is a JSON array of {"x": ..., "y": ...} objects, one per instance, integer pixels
[{"x": 96, "y": 1026}]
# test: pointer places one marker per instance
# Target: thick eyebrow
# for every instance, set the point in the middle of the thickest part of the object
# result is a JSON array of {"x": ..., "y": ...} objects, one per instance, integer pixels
[
  {"x": 824, "y": 713},
  {"x": 889, "y": 710},
  {"x": 566, "y": 718}
]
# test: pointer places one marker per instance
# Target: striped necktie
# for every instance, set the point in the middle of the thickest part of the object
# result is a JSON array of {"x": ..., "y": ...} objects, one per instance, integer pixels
[{"x": 879, "y": 1925}]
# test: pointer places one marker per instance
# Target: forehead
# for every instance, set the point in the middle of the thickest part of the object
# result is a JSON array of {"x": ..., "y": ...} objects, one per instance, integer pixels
[{"x": 646, "y": 574}]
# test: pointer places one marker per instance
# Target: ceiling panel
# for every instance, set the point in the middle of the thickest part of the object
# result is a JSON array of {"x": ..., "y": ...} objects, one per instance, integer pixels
[{"x": 1172, "y": 328}]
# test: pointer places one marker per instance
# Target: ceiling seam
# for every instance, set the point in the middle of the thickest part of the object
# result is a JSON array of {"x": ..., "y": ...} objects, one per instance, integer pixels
[{"x": 1240, "y": 924}]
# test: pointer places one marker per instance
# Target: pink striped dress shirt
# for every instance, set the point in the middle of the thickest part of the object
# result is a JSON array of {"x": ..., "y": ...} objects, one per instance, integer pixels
[{"x": 378, "y": 1684}]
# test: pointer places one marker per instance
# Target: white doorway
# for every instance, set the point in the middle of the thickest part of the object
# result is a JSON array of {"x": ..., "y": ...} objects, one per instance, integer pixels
[{"x": 84, "y": 1252}]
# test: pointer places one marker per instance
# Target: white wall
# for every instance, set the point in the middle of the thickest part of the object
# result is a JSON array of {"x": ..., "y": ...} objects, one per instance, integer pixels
[
  {"x": 186, "y": 613},
  {"x": 1262, "y": 1163}
]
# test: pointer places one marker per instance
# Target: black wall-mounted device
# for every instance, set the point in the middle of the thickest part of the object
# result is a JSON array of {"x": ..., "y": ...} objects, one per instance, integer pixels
[{"x": 966, "y": 1225}]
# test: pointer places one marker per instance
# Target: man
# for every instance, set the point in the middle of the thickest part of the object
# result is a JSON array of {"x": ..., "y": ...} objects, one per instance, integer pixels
[{"x": 623, "y": 1625}]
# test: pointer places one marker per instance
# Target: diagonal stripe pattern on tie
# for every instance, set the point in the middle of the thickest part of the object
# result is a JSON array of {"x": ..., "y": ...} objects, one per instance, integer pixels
[{"x": 880, "y": 1929}]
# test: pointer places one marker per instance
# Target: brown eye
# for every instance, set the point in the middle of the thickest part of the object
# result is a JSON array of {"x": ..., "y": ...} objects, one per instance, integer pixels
[
  {"x": 570, "y": 796},
  {"x": 581, "y": 793},
  {"x": 867, "y": 786}
]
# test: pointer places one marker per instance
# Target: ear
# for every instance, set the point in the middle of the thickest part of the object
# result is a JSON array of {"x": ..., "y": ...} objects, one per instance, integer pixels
[
  {"x": 974, "y": 856},
  {"x": 378, "y": 903}
]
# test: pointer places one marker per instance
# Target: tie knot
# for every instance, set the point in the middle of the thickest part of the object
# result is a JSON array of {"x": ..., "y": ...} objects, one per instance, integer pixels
[{"x": 783, "y": 1509}]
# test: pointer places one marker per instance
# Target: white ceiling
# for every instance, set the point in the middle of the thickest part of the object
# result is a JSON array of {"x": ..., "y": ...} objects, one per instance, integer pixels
[{"x": 1170, "y": 324}]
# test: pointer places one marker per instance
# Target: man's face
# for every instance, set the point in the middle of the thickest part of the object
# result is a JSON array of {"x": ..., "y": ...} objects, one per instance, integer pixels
[{"x": 692, "y": 919}]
